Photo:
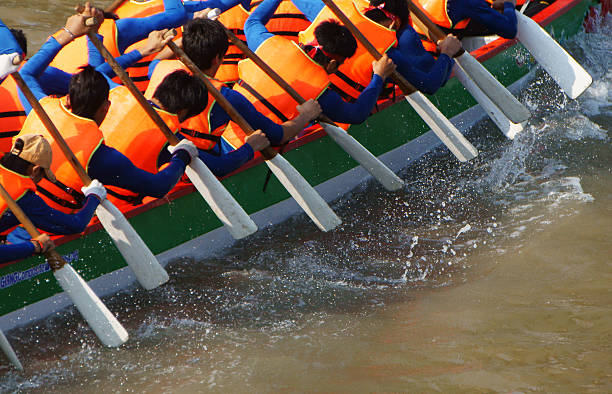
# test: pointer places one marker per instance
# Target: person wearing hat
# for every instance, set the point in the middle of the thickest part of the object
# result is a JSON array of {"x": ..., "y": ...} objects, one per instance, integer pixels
[{"x": 26, "y": 164}]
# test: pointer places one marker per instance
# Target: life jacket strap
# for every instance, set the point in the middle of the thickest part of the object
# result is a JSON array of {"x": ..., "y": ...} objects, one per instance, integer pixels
[{"x": 264, "y": 101}]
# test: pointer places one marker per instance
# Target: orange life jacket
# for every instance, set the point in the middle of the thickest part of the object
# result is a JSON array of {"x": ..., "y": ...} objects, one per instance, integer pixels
[
  {"x": 355, "y": 73},
  {"x": 233, "y": 19},
  {"x": 197, "y": 128},
  {"x": 294, "y": 66},
  {"x": 12, "y": 113},
  {"x": 139, "y": 71},
  {"x": 130, "y": 130},
  {"x": 16, "y": 185},
  {"x": 82, "y": 136},
  {"x": 75, "y": 55},
  {"x": 287, "y": 20}
]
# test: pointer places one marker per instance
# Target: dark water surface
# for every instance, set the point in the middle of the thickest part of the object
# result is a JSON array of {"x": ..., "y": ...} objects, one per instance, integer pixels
[{"x": 488, "y": 276}]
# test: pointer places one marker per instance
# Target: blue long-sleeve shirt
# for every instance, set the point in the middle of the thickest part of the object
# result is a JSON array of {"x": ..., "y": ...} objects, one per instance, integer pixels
[
  {"x": 331, "y": 102},
  {"x": 223, "y": 5},
  {"x": 17, "y": 251},
  {"x": 9, "y": 43},
  {"x": 48, "y": 219},
  {"x": 503, "y": 24}
]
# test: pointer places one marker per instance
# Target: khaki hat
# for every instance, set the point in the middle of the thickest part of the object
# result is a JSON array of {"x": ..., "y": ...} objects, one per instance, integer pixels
[{"x": 36, "y": 150}]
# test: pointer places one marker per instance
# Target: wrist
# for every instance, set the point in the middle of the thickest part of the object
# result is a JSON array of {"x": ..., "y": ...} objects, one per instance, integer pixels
[
  {"x": 63, "y": 36},
  {"x": 37, "y": 246}
]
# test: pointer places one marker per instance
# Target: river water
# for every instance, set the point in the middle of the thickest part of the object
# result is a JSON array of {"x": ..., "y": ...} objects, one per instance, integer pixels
[{"x": 488, "y": 276}]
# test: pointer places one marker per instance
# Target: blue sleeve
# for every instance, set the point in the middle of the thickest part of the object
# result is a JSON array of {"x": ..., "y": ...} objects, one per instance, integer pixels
[
  {"x": 132, "y": 30},
  {"x": 124, "y": 61},
  {"x": 341, "y": 111},
  {"x": 152, "y": 66},
  {"x": 409, "y": 43},
  {"x": 9, "y": 43},
  {"x": 256, "y": 119},
  {"x": 50, "y": 220},
  {"x": 427, "y": 82},
  {"x": 34, "y": 67},
  {"x": 255, "y": 25},
  {"x": 223, "y": 5},
  {"x": 310, "y": 8},
  {"x": 14, "y": 252},
  {"x": 503, "y": 24},
  {"x": 54, "y": 81},
  {"x": 111, "y": 167},
  {"x": 227, "y": 162}
]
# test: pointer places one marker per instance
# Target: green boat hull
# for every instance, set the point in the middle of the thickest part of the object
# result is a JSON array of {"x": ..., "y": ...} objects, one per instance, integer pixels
[{"x": 28, "y": 288}]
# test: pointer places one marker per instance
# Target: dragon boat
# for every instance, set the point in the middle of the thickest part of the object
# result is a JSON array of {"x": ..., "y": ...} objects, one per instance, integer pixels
[{"x": 181, "y": 225}]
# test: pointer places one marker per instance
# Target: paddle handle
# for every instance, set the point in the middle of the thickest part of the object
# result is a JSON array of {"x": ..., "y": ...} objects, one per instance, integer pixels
[
  {"x": 436, "y": 32},
  {"x": 406, "y": 87},
  {"x": 268, "y": 153},
  {"x": 55, "y": 260},
  {"x": 271, "y": 73},
  {"x": 127, "y": 81},
  {"x": 42, "y": 114}
]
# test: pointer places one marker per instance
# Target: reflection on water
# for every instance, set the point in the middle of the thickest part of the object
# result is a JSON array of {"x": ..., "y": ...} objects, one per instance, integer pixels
[{"x": 487, "y": 276}]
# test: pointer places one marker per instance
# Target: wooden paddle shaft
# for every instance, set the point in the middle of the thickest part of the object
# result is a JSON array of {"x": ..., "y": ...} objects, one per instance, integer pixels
[
  {"x": 268, "y": 153},
  {"x": 42, "y": 114},
  {"x": 127, "y": 81},
  {"x": 271, "y": 73},
  {"x": 55, "y": 260},
  {"x": 406, "y": 87},
  {"x": 114, "y": 5},
  {"x": 434, "y": 29}
]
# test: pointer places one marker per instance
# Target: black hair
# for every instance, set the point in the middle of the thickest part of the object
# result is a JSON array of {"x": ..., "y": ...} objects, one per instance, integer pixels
[
  {"x": 21, "y": 39},
  {"x": 179, "y": 91},
  {"x": 399, "y": 8},
  {"x": 203, "y": 39},
  {"x": 335, "y": 38},
  {"x": 88, "y": 91}
]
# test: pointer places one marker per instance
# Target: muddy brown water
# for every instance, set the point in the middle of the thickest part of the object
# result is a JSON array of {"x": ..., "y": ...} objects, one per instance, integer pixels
[{"x": 492, "y": 276}]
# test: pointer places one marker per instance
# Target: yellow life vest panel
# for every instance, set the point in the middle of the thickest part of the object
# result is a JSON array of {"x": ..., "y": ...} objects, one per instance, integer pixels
[
  {"x": 129, "y": 129},
  {"x": 287, "y": 20},
  {"x": 83, "y": 138},
  {"x": 233, "y": 19},
  {"x": 75, "y": 55},
  {"x": 355, "y": 73},
  {"x": 12, "y": 113},
  {"x": 16, "y": 185},
  {"x": 294, "y": 66},
  {"x": 197, "y": 128}
]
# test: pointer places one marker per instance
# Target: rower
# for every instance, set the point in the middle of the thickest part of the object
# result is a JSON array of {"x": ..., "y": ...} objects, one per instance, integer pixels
[
  {"x": 27, "y": 163},
  {"x": 307, "y": 68},
  {"x": 473, "y": 17},
  {"x": 78, "y": 117},
  {"x": 205, "y": 42},
  {"x": 21, "y": 250}
]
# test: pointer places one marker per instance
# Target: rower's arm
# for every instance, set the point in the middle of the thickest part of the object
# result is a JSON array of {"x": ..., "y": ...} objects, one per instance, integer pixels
[
  {"x": 341, "y": 111},
  {"x": 17, "y": 251},
  {"x": 223, "y": 5},
  {"x": 9, "y": 43},
  {"x": 427, "y": 82},
  {"x": 310, "y": 8},
  {"x": 255, "y": 25},
  {"x": 503, "y": 24}
]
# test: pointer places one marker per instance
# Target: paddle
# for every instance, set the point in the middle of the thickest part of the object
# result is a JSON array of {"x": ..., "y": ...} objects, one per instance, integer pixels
[
  {"x": 141, "y": 260},
  {"x": 505, "y": 102},
  {"x": 444, "y": 129},
  {"x": 10, "y": 353},
  {"x": 310, "y": 201},
  {"x": 357, "y": 151},
  {"x": 560, "y": 65},
  {"x": 99, "y": 318},
  {"x": 223, "y": 204}
]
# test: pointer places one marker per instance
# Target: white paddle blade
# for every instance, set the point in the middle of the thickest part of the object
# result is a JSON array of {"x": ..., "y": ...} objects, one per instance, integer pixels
[
  {"x": 497, "y": 93},
  {"x": 95, "y": 313},
  {"x": 560, "y": 65},
  {"x": 10, "y": 353},
  {"x": 506, "y": 126},
  {"x": 375, "y": 167},
  {"x": 137, "y": 255},
  {"x": 307, "y": 198},
  {"x": 223, "y": 204},
  {"x": 444, "y": 129}
]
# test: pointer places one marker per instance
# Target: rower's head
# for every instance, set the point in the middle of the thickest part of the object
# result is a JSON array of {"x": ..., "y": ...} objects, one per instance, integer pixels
[
  {"x": 88, "y": 95},
  {"x": 30, "y": 155},
  {"x": 334, "y": 44},
  {"x": 206, "y": 43},
  {"x": 21, "y": 39},
  {"x": 182, "y": 94},
  {"x": 392, "y": 14}
]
